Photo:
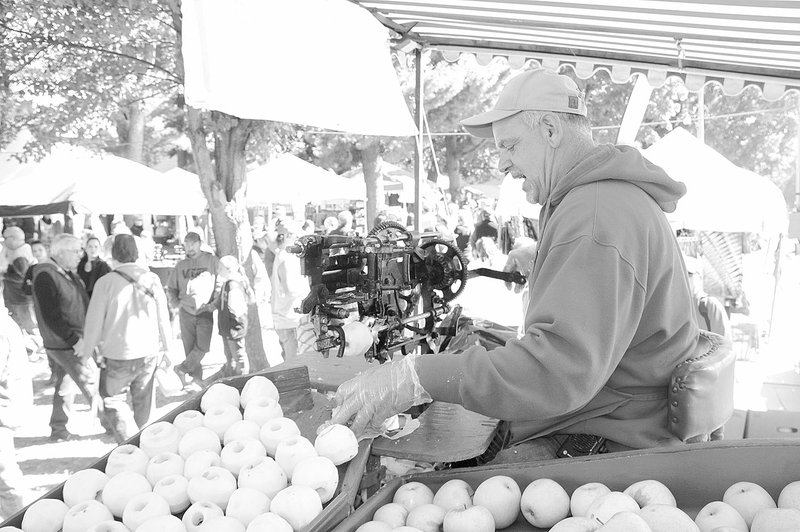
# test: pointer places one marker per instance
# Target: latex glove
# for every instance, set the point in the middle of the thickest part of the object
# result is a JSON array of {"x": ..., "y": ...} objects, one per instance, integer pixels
[
  {"x": 378, "y": 394},
  {"x": 520, "y": 260}
]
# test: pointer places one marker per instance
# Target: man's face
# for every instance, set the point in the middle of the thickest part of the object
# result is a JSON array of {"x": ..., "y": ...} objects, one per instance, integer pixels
[
  {"x": 70, "y": 256},
  {"x": 39, "y": 252},
  {"x": 192, "y": 248},
  {"x": 522, "y": 154}
]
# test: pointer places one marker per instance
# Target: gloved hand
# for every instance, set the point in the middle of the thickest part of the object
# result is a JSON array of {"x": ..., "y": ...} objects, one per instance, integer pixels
[
  {"x": 378, "y": 394},
  {"x": 520, "y": 260}
]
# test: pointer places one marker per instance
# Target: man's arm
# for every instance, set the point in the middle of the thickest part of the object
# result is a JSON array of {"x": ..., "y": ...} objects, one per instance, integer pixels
[
  {"x": 47, "y": 294},
  {"x": 95, "y": 319}
]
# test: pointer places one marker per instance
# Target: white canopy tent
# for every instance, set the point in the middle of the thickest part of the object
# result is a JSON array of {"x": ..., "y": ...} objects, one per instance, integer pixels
[
  {"x": 289, "y": 179},
  {"x": 720, "y": 196}
]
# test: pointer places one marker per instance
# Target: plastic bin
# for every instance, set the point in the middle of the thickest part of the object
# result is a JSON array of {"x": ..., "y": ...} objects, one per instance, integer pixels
[
  {"x": 308, "y": 409},
  {"x": 697, "y": 474}
]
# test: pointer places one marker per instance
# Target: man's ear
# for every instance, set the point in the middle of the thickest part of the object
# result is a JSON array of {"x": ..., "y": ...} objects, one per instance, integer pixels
[{"x": 552, "y": 129}]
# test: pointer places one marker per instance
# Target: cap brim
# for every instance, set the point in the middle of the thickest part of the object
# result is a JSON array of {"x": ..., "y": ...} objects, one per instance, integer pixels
[{"x": 481, "y": 125}]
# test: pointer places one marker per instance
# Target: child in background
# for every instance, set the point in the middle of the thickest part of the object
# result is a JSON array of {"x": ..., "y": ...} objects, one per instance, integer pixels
[{"x": 232, "y": 303}]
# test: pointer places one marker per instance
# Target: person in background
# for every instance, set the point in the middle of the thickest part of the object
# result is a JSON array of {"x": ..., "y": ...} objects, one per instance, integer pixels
[
  {"x": 13, "y": 246},
  {"x": 60, "y": 300},
  {"x": 127, "y": 325},
  {"x": 329, "y": 225},
  {"x": 191, "y": 285},
  {"x": 259, "y": 313},
  {"x": 345, "y": 219},
  {"x": 486, "y": 228},
  {"x": 16, "y": 398},
  {"x": 308, "y": 227},
  {"x": 233, "y": 303},
  {"x": 91, "y": 266},
  {"x": 710, "y": 312},
  {"x": 289, "y": 287},
  {"x": 19, "y": 257}
]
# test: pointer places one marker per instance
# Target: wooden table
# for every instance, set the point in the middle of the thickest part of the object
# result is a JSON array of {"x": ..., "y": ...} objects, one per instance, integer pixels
[{"x": 447, "y": 432}]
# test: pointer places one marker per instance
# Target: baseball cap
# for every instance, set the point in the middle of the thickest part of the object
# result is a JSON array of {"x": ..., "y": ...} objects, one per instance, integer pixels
[{"x": 533, "y": 90}]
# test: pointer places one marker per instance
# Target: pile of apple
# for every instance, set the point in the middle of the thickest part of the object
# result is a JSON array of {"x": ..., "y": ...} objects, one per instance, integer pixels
[
  {"x": 645, "y": 506},
  {"x": 237, "y": 465}
]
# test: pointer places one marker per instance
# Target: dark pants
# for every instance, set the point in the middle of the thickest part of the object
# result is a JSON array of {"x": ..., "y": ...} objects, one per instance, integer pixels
[
  {"x": 122, "y": 377},
  {"x": 10, "y": 476},
  {"x": 84, "y": 373},
  {"x": 288, "y": 341},
  {"x": 196, "y": 336},
  {"x": 236, "y": 361}
]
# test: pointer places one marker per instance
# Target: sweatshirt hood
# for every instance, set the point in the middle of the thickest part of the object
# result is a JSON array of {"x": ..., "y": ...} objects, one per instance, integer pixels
[{"x": 622, "y": 163}]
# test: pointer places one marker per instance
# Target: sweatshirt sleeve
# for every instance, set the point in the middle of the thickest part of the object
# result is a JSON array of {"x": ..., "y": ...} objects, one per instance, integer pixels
[
  {"x": 46, "y": 292},
  {"x": 584, "y": 308},
  {"x": 95, "y": 317}
]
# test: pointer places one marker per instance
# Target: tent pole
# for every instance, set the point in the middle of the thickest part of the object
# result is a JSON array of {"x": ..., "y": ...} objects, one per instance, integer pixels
[{"x": 419, "y": 147}]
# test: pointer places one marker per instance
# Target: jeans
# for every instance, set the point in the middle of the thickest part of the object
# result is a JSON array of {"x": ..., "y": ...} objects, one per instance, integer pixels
[
  {"x": 10, "y": 476},
  {"x": 84, "y": 373},
  {"x": 196, "y": 336},
  {"x": 288, "y": 341},
  {"x": 119, "y": 378}
]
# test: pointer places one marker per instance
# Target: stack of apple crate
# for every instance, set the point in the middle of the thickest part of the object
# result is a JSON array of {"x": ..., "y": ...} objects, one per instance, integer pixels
[
  {"x": 308, "y": 409},
  {"x": 697, "y": 474}
]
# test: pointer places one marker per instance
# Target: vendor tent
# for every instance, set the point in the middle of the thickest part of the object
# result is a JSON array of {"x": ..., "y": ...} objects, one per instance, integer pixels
[
  {"x": 75, "y": 179},
  {"x": 289, "y": 179},
  {"x": 720, "y": 196}
]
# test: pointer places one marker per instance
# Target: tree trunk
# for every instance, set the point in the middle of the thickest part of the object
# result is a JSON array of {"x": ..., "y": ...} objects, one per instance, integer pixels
[
  {"x": 134, "y": 150},
  {"x": 372, "y": 178},
  {"x": 453, "y": 167}
]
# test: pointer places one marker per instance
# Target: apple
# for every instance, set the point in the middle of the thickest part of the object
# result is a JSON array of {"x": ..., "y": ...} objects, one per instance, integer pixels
[
  {"x": 160, "y": 437},
  {"x": 85, "y": 515},
  {"x": 501, "y": 496},
  {"x": 666, "y": 518},
  {"x": 188, "y": 420},
  {"x": 544, "y": 503},
  {"x": 406, "y": 529},
  {"x": 291, "y": 452},
  {"x": 299, "y": 505},
  {"x": 647, "y": 492},
  {"x": 241, "y": 430},
  {"x": 369, "y": 526},
  {"x": 240, "y": 453},
  {"x": 275, "y": 431},
  {"x": 142, "y": 507},
  {"x": 220, "y": 418},
  {"x": 199, "y": 512},
  {"x": 426, "y": 517},
  {"x": 84, "y": 485},
  {"x": 106, "y": 526},
  {"x": 265, "y": 475},
  {"x": 262, "y": 409},
  {"x": 605, "y": 506},
  {"x": 10, "y": 529},
  {"x": 175, "y": 490},
  {"x": 216, "y": 485},
  {"x": 127, "y": 458},
  {"x": 718, "y": 514},
  {"x": 199, "y": 462},
  {"x": 221, "y": 524},
  {"x": 44, "y": 515},
  {"x": 776, "y": 520},
  {"x": 584, "y": 496},
  {"x": 319, "y": 474},
  {"x": 576, "y": 524},
  {"x": 413, "y": 494},
  {"x": 472, "y": 519},
  {"x": 198, "y": 439},
  {"x": 269, "y": 522},
  {"x": 625, "y": 521},
  {"x": 219, "y": 394},
  {"x": 162, "y": 523},
  {"x": 246, "y": 504},
  {"x": 393, "y": 514},
  {"x": 336, "y": 442},
  {"x": 121, "y": 488},
  {"x": 453, "y": 494},
  {"x": 790, "y": 496},
  {"x": 257, "y": 387},
  {"x": 747, "y": 498}
]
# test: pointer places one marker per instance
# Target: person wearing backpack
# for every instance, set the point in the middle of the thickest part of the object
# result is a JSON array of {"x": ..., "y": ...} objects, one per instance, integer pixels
[{"x": 127, "y": 329}]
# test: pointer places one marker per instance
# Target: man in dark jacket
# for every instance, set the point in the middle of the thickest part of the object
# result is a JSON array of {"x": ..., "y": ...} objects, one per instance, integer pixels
[{"x": 60, "y": 300}]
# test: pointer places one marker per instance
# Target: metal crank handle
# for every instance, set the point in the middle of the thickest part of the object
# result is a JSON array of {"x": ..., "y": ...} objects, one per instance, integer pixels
[{"x": 509, "y": 277}]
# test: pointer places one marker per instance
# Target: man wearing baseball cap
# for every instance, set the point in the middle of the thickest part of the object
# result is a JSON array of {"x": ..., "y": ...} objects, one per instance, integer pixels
[{"x": 610, "y": 313}]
